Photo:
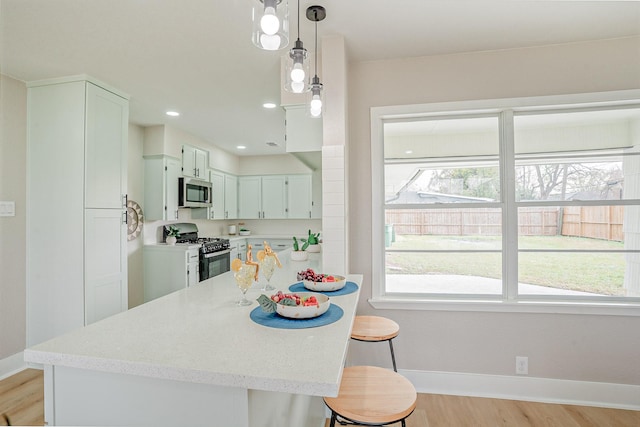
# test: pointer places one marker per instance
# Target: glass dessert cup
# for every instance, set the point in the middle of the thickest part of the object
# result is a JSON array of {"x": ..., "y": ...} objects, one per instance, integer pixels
[
  {"x": 267, "y": 267},
  {"x": 244, "y": 279}
]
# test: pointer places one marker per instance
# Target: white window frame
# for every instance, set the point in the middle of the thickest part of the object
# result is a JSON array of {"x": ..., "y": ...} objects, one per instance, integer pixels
[{"x": 510, "y": 302}]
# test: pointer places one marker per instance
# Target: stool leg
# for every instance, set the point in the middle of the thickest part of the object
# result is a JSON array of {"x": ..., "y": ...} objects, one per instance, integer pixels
[
  {"x": 393, "y": 356},
  {"x": 404, "y": 424},
  {"x": 333, "y": 419}
]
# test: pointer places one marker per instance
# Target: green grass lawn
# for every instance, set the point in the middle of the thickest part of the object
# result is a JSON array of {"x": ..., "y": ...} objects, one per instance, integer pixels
[{"x": 601, "y": 273}]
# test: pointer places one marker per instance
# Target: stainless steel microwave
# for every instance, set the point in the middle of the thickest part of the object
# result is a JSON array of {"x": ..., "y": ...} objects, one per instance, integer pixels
[{"x": 193, "y": 193}]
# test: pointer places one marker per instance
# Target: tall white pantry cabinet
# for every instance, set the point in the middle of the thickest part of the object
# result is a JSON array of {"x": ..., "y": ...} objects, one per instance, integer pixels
[{"x": 76, "y": 205}]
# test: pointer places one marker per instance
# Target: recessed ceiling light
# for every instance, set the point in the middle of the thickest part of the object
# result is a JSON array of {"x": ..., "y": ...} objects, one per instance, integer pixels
[
  {"x": 173, "y": 113},
  {"x": 269, "y": 105},
  {"x": 241, "y": 147},
  {"x": 272, "y": 144},
  {"x": 408, "y": 152}
]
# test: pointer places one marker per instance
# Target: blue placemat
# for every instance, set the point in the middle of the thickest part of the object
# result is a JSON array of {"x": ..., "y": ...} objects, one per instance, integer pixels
[
  {"x": 274, "y": 320},
  {"x": 350, "y": 287}
]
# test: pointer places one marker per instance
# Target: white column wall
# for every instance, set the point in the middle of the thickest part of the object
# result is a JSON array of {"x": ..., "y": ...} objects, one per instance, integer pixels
[
  {"x": 334, "y": 171},
  {"x": 631, "y": 227}
]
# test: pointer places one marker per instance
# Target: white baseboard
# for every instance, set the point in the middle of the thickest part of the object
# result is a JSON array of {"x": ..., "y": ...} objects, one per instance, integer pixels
[
  {"x": 547, "y": 390},
  {"x": 12, "y": 365}
]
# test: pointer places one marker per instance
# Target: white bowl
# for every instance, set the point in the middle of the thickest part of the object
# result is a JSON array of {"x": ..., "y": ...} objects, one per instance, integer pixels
[
  {"x": 302, "y": 312},
  {"x": 326, "y": 286}
]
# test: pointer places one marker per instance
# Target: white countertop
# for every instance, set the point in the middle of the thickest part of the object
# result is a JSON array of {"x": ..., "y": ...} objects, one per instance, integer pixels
[{"x": 200, "y": 335}]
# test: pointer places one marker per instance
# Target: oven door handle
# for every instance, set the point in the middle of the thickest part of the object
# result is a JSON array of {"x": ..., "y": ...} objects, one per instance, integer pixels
[{"x": 213, "y": 254}]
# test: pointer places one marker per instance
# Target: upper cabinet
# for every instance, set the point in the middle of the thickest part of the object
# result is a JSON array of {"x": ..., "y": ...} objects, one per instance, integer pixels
[
  {"x": 262, "y": 197},
  {"x": 299, "y": 196},
  {"x": 224, "y": 196},
  {"x": 161, "y": 175},
  {"x": 107, "y": 118},
  {"x": 194, "y": 162},
  {"x": 230, "y": 197},
  {"x": 303, "y": 133},
  {"x": 274, "y": 197}
]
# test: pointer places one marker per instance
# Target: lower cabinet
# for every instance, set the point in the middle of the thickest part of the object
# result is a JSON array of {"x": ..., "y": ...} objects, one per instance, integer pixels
[
  {"x": 276, "y": 244},
  {"x": 238, "y": 250},
  {"x": 105, "y": 264},
  {"x": 168, "y": 269}
]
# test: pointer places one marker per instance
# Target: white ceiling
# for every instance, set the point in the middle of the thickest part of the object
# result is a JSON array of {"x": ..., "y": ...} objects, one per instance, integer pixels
[{"x": 196, "y": 56}]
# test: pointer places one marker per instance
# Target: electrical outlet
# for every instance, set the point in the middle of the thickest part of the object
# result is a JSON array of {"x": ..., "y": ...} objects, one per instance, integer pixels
[{"x": 522, "y": 365}]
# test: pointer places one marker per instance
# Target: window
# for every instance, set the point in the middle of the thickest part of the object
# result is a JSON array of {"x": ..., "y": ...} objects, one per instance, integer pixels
[{"x": 519, "y": 203}]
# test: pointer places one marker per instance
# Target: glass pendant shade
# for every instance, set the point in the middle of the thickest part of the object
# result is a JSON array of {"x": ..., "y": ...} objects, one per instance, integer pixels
[
  {"x": 315, "y": 99},
  {"x": 297, "y": 72},
  {"x": 270, "y": 24}
]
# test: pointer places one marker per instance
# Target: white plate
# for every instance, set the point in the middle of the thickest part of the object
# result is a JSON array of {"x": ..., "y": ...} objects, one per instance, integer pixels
[
  {"x": 326, "y": 286},
  {"x": 302, "y": 312}
]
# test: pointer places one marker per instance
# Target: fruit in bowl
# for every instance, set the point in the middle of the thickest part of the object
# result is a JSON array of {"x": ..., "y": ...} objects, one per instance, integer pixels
[
  {"x": 321, "y": 282},
  {"x": 300, "y": 305}
]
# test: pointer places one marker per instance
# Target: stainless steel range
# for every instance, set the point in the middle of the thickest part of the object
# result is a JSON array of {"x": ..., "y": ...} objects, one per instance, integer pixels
[{"x": 214, "y": 252}]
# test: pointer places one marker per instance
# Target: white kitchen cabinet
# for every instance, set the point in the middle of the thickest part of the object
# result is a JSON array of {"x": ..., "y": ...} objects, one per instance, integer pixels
[
  {"x": 217, "y": 209},
  {"x": 277, "y": 245},
  {"x": 224, "y": 196},
  {"x": 161, "y": 175},
  {"x": 249, "y": 197},
  {"x": 105, "y": 260},
  {"x": 194, "y": 162},
  {"x": 262, "y": 197},
  {"x": 230, "y": 197},
  {"x": 169, "y": 268},
  {"x": 299, "y": 194},
  {"x": 303, "y": 133},
  {"x": 274, "y": 197},
  {"x": 76, "y": 257},
  {"x": 238, "y": 250},
  {"x": 106, "y": 154}
]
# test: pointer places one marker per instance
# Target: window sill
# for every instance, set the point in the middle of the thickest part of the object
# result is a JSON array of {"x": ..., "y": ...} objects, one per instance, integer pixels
[{"x": 499, "y": 306}]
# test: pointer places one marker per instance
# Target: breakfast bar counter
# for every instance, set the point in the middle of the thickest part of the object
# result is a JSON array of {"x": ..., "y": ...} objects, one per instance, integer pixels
[{"x": 195, "y": 357}]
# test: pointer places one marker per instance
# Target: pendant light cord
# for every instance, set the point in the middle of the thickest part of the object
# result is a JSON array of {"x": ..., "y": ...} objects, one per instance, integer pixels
[
  {"x": 298, "y": 19},
  {"x": 316, "y": 61}
]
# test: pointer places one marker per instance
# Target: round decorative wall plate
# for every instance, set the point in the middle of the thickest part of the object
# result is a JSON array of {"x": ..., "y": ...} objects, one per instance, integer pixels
[{"x": 134, "y": 220}]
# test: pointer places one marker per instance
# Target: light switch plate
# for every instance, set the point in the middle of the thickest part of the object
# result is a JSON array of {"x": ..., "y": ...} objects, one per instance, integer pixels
[{"x": 7, "y": 208}]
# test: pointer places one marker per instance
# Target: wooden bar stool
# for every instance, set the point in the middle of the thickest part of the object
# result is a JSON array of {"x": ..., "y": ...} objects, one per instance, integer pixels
[
  {"x": 373, "y": 396},
  {"x": 375, "y": 329}
]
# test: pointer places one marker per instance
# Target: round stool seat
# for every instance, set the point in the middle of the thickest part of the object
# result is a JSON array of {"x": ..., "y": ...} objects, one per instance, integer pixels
[
  {"x": 373, "y": 395},
  {"x": 374, "y": 328}
]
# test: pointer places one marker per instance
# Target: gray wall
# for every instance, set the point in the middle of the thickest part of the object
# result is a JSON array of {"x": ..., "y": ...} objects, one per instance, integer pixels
[
  {"x": 13, "y": 175},
  {"x": 576, "y": 347}
]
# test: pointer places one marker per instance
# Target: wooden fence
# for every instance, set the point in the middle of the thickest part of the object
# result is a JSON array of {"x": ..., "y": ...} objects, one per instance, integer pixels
[{"x": 598, "y": 222}]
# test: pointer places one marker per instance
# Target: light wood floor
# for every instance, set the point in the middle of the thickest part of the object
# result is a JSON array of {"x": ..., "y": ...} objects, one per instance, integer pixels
[{"x": 22, "y": 400}]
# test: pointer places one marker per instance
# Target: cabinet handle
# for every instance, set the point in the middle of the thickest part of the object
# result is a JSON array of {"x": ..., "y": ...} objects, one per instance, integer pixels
[
  {"x": 125, "y": 200},
  {"x": 125, "y": 217},
  {"x": 309, "y": 214},
  {"x": 176, "y": 213}
]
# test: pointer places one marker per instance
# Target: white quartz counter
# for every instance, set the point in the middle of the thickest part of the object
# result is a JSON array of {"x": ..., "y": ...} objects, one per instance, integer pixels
[{"x": 200, "y": 335}]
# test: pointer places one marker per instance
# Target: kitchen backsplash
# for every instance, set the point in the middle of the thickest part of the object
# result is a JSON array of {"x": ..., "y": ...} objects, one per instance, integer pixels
[{"x": 207, "y": 228}]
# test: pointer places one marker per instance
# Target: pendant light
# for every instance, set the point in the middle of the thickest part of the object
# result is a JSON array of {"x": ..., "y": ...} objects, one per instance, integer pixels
[
  {"x": 270, "y": 24},
  {"x": 315, "y": 98},
  {"x": 297, "y": 73}
]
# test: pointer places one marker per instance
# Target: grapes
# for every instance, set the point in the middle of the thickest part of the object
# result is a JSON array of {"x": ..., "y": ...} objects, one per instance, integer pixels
[{"x": 310, "y": 275}]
